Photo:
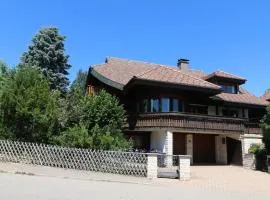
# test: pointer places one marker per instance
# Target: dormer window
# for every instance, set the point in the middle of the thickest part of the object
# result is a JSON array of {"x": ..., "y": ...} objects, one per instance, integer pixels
[{"x": 229, "y": 89}]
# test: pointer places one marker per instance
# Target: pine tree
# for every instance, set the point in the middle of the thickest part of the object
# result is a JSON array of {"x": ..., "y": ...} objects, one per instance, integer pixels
[{"x": 48, "y": 53}]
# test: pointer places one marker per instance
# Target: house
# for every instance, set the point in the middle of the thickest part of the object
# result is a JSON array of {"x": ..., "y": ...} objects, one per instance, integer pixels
[{"x": 177, "y": 110}]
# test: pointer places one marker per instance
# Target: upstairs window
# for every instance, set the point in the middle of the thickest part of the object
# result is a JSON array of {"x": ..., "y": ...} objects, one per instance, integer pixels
[
  {"x": 230, "y": 112},
  {"x": 165, "y": 105},
  {"x": 160, "y": 105},
  {"x": 175, "y": 105},
  {"x": 229, "y": 89},
  {"x": 197, "y": 109},
  {"x": 155, "y": 105}
]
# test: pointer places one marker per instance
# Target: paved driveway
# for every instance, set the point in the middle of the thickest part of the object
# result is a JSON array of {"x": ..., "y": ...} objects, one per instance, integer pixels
[
  {"x": 231, "y": 178},
  {"x": 208, "y": 182}
]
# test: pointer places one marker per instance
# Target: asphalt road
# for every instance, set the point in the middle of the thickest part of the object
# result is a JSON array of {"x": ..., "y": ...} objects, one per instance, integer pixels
[{"x": 20, "y": 187}]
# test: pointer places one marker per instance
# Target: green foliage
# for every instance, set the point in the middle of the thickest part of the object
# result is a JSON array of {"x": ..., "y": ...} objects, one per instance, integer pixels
[
  {"x": 3, "y": 73},
  {"x": 266, "y": 129},
  {"x": 102, "y": 116},
  {"x": 28, "y": 107},
  {"x": 36, "y": 106},
  {"x": 79, "y": 84},
  {"x": 254, "y": 148},
  {"x": 261, "y": 156},
  {"x": 48, "y": 53},
  {"x": 74, "y": 98},
  {"x": 76, "y": 136},
  {"x": 103, "y": 110}
]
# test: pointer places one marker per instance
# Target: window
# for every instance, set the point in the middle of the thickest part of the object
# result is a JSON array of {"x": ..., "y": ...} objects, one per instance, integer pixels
[
  {"x": 165, "y": 105},
  {"x": 175, "y": 105},
  {"x": 145, "y": 106},
  {"x": 155, "y": 105},
  {"x": 229, "y": 89},
  {"x": 229, "y": 112},
  {"x": 197, "y": 109}
]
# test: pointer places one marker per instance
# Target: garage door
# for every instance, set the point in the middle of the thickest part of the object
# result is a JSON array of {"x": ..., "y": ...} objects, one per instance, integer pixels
[
  {"x": 203, "y": 148},
  {"x": 179, "y": 144}
]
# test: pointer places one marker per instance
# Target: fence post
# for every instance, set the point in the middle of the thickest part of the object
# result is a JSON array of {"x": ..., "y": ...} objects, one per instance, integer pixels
[
  {"x": 151, "y": 166},
  {"x": 184, "y": 167}
]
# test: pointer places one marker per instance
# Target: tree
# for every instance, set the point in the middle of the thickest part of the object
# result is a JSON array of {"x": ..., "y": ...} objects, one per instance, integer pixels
[
  {"x": 76, "y": 136},
  {"x": 74, "y": 97},
  {"x": 79, "y": 84},
  {"x": 48, "y": 53},
  {"x": 266, "y": 129},
  {"x": 103, "y": 118},
  {"x": 29, "y": 110},
  {"x": 3, "y": 72}
]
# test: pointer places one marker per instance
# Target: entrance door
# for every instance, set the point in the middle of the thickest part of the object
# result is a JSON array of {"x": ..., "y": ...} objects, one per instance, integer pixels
[
  {"x": 179, "y": 144},
  {"x": 203, "y": 148},
  {"x": 234, "y": 151}
]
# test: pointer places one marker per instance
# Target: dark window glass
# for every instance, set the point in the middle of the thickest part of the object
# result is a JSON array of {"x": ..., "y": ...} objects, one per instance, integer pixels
[
  {"x": 198, "y": 109},
  {"x": 155, "y": 105},
  {"x": 230, "y": 112},
  {"x": 165, "y": 105},
  {"x": 175, "y": 106},
  {"x": 228, "y": 89},
  {"x": 145, "y": 106}
]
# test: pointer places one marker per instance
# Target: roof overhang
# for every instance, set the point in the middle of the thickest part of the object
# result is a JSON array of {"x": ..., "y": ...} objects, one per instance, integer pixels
[
  {"x": 105, "y": 80},
  {"x": 240, "y": 104},
  {"x": 137, "y": 81},
  {"x": 224, "y": 79}
]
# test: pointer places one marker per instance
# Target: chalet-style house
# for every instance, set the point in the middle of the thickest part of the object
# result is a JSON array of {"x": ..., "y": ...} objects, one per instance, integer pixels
[{"x": 176, "y": 110}]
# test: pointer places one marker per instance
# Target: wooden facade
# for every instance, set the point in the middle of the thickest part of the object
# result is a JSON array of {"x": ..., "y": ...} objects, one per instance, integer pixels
[{"x": 188, "y": 119}]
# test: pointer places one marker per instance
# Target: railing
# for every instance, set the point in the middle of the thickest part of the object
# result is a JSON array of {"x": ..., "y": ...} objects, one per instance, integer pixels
[
  {"x": 253, "y": 128},
  {"x": 187, "y": 122}
]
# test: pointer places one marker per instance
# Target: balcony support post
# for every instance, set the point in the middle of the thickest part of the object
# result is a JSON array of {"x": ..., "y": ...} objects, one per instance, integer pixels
[{"x": 189, "y": 146}]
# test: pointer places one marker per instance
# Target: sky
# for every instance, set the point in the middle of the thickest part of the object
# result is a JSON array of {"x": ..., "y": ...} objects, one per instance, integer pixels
[{"x": 232, "y": 36}]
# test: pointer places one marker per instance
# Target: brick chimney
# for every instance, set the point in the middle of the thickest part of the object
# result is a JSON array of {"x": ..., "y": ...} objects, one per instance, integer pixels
[{"x": 183, "y": 64}]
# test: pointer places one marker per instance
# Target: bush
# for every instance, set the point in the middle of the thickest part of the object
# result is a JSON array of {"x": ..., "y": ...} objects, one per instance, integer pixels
[
  {"x": 76, "y": 136},
  {"x": 260, "y": 155}
]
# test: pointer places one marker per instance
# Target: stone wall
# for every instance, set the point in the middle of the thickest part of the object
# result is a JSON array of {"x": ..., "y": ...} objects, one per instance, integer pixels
[
  {"x": 248, "y": 140},
  {"x": 184, "y": 168},
  {"x": 249, "y": 161},
  {"x": 152, "y": 166}
]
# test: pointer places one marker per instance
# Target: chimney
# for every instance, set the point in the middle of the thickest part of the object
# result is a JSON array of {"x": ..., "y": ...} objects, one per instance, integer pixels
[{"x": 183, "y": 64}]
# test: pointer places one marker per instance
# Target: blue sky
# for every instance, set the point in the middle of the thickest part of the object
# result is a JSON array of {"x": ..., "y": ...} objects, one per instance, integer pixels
[{"x": 232, "y": 36}]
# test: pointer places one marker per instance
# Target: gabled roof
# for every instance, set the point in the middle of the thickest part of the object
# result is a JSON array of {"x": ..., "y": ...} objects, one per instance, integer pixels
[
  {"x": 118, "y": 73},
  {"x": 266, "y": 95},
  {"x": 122, "y": 71},
  {"x": 222, "y": 74}
]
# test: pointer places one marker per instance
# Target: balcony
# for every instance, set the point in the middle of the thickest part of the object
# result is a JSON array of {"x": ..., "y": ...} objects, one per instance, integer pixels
[
  {"x": 253, "y": 128},
  {"x": 186, "y": 122}
]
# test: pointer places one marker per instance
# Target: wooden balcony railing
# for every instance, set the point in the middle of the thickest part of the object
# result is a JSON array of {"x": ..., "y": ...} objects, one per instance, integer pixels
[
  {"x": 187, "y": 122},
  {"x": 253, "y": 128}
]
